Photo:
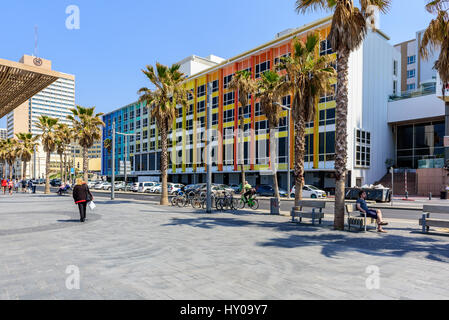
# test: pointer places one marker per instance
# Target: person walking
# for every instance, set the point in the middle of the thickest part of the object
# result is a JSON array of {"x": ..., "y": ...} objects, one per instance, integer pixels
[
  {"x": 16, "y": 185},
  {"x": 24, "y": 186},
  {"x": 10, "y": 186},
  {"x": 30, "y": 187},
  {"x": 82, "y": 196},
  {"x": 4, "y": 185}
]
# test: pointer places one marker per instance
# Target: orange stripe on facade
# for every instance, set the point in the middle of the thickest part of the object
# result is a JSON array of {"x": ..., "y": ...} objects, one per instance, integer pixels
[
  {"x": 220, "y": 121},
  {"x": 253, "y": 119}
]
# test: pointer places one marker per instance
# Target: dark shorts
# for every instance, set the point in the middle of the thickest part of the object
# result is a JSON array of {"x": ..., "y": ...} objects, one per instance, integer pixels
[{"x": 371, "y": 214}]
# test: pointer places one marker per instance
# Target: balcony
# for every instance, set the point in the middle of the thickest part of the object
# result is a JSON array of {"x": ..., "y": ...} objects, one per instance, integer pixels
[{"x": 423, "y": 91}]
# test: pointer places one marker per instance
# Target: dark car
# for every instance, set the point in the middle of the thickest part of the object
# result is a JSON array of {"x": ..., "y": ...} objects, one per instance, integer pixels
[
  {"x": 55, "y": 183},
  {"x": 266, "y": 190}
]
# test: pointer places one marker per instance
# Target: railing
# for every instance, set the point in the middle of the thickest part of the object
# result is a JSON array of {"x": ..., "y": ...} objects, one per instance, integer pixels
[{"x": 413, "y": 94}]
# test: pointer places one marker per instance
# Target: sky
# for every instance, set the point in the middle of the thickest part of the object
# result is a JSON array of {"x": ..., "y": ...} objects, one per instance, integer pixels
[{"x": 116, "y": 39}]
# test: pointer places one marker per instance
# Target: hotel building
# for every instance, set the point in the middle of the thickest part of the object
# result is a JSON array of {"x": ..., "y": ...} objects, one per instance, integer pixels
[
  {"x": 373, "y": 77},
  {"x": 54, "y": 101}
]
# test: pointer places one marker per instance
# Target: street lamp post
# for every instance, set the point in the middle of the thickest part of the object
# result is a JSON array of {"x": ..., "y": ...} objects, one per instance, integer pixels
[
  {"x": 288, "y": 146},
  {"x": 209, "y": 148}
]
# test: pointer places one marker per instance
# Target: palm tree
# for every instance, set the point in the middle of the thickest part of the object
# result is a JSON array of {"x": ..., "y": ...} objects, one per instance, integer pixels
[
  {"x": 348, "y": 30},
  {"x": 170, "y": 92},
  {"x": 28, "y": 145},
  {"x": 243, "y": 83},
  {"x": 12, "y": 148},
  {"x": 63, "y": 139},
  {"x": 307, "y": 77},
  {"x": 107, "y": 144},
  {"x": 86, "y": 130},
  {"x": 271, "y": 89},
  {"x": 3, "y": 155},
  {"x": 48, "y": 139},
  {"x": 436, "y": 36}
]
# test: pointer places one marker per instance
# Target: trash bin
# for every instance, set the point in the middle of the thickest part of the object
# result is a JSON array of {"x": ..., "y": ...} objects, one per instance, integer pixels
[
  {"x": 274, "y": 206},
  {"x": 443, "y": 195},
  {"x": 34, "y": 189}
]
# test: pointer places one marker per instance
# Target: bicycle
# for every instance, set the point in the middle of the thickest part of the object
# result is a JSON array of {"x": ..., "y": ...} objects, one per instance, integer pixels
[
  {"x": 226, "y": 203},
  {"x": 252, "y": 203}
]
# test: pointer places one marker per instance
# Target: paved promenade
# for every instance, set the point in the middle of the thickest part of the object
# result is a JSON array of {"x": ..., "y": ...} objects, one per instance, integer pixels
[{"x": 139, "y": 250}]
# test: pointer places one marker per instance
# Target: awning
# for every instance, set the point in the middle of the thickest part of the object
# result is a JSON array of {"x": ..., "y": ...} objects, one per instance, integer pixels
[{"x": 19, "y": 82}]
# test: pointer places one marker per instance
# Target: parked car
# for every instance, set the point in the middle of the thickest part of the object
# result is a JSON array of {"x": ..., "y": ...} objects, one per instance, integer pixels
[
  {"x": 92, "y": 184},
  {"x": 309, "y": 191},
  {"x": 236, "y": 188},
  {"x": 155, "y": 189},
  {"x": 266, "y": 190},
  {"x": 55, "y": 183},
  {"x": 173, "y": 188},
  {"x": 135, "y": 186},
  {"x": 119, "y": 186},
  {"x": 100, "y": 185},
  {"x": 145, "y": 186},
  {"x": 106, "y": 186}
]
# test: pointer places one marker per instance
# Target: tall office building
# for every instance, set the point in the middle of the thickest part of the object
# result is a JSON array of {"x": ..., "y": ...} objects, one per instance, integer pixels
[{"x": 54, "y": 101}]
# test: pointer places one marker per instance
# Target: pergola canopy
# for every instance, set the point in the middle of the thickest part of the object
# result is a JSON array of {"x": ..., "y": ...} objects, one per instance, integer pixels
[{"x": 19, "y": 82}]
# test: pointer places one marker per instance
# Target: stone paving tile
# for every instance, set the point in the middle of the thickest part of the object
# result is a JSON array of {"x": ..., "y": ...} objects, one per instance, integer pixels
[{"x": 137, "y": 250}]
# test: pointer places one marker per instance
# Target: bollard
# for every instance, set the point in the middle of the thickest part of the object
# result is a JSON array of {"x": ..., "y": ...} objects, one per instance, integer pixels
[
  {"x": 406, "y": 195},
  {"x": 430, "y": 195}
]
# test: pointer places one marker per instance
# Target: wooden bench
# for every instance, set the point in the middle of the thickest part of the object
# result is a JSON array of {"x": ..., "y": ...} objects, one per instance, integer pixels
[
  {"x": 358, "y": 218},
  {"x": 310, "y": 210},
  {"x": 426, "y": 222}
]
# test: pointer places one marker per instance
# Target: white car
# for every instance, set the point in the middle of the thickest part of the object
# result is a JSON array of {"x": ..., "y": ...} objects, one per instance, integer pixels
[
  {"x": 157, "y": 188},
  {"x": 309, "y": 191},
  {"x": 135, "y": 187},
  {"x": 100, "y": 186},
  {"x": 107, "y": 186},
  {"x": 145, "y": 186}
]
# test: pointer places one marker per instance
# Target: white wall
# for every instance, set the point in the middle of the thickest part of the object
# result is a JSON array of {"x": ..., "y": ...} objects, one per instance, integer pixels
[
  {"x": 372, "y": 113},
  {"x": 428, "y": 106}
]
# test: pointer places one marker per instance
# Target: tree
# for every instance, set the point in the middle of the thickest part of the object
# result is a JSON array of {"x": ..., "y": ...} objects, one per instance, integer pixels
[
  {"x": 64, "y": 137},
  {"x": 12, "y": 148},
  {"x": 271, "y": 89},
  {"x": 3, "y": 153},
  {"x": 307, "y": 76},
  {"x": 348, "y": 30},
  {"x": 162, "y": 101},
  {"x": 243, "y": 83},
  {"x": 107, "y": 144},
  {"x": 48, "y": 139},
  {"x": 28, "y": 143},
  {"x": 87, "y": 130}
]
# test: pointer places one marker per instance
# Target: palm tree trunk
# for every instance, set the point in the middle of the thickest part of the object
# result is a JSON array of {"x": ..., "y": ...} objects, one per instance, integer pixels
[
  {"x": 24, "y": 172},
  {"x": 47, "y": 173},
  {"x": 273, "y": 154},
  {"x": 85, "y": 164},
  {"x": 4, "y": 169},
  {"x": 10, "y": 170},
  {"x": 242, "y": 149},
  {"x": 164, "y": 166},
  {"x": 65, "y": 166},
  {"x": 300, "y": 137},
  {"x": 61, "y": 168},
  {"x": 341, "y": 141}
]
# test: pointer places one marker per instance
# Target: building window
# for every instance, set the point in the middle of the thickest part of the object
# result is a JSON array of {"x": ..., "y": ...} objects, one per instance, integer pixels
[
  {"x": 215, "y": 119},
  {"x": 226, "y": 80},
  {"x": 201, "y": 91},
  {"x": 411, "y": 87},
  {"x": 325, "y": 48},
  {"x": 278, "y": 60},
  {"x": 215, "y": 86},
  {"x": 189, "y": 124},
  {"x": 228, "y": 116},
  {"x": 411, "y": 59},
  {"x": 261, "y": 68},
  {"x": 258, "y": 109},
  {"x": 201, "y": 106},
  {"x": 411, "y": 73},
  {"x": 228, "y": 98},
  {"x": 395, "y": 87},
  {"x": 189, "y": 110},
  {"x": 395, "y": 67},
  {"x": 362, "y": 148},
  {"x": 214, "y": 102}
]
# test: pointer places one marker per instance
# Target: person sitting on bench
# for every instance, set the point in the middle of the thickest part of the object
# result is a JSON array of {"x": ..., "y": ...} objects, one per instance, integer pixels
[
  {"x": 63, "y": 189},
  {"x": 374, "y": 214}
]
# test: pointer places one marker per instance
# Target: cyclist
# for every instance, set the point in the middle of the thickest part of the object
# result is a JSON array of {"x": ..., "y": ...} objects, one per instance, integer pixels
[{"x": 247, "y": 190}]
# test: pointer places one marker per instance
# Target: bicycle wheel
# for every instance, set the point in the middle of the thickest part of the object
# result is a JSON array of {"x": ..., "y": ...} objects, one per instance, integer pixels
[
  {"x": 235, "y": 204},
  {"x": 181, "y": 202},
  {"x": 174, "y": 201},
  {"x": 255, "y": 204},
  {"x": 219, "y": 204},
  {"x": 242, "y": 204}
]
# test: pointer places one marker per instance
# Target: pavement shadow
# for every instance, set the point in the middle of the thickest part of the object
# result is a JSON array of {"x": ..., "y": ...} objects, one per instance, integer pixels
[{"x": 382, "y": 245}]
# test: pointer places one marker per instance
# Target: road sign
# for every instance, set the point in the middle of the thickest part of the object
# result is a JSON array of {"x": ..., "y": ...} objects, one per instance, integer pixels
[{"x": 122, "y": 167}]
